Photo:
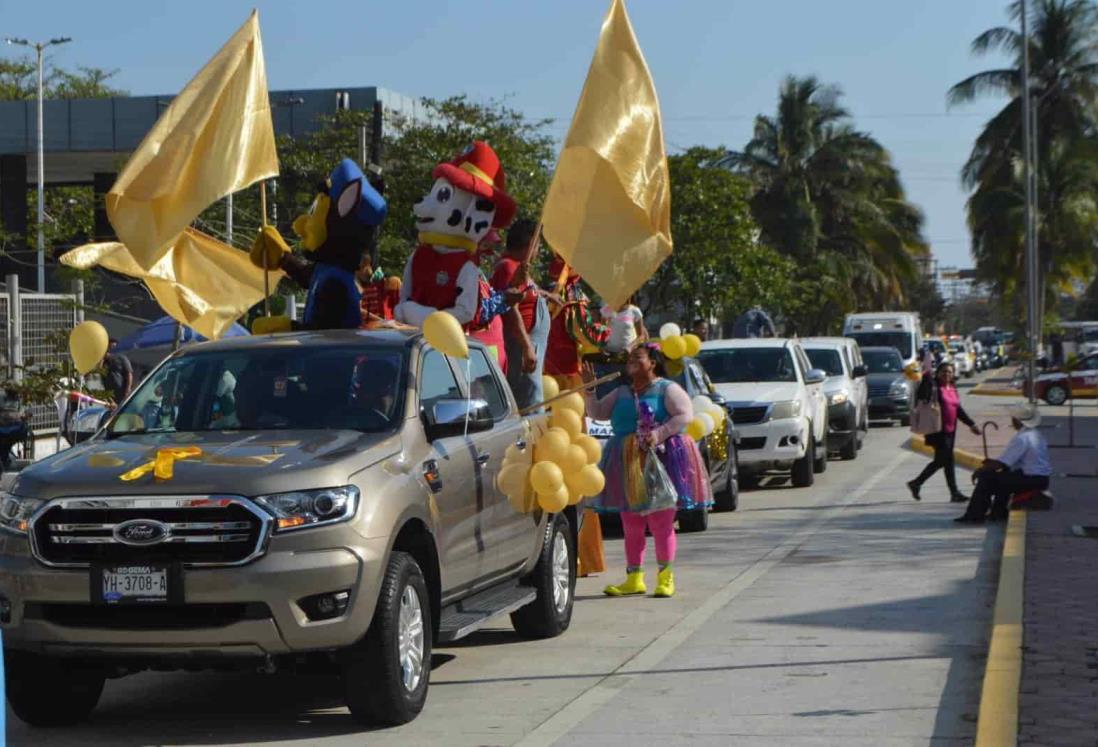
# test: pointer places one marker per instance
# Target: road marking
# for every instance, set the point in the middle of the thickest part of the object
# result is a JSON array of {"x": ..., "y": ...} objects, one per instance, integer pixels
[
  {"x": 998, "y": 721},
  {"x": 602, "y": 692}
]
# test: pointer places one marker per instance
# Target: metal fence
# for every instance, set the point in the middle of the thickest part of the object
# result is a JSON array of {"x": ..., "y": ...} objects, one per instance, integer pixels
[{"x": 29, "y": 337}]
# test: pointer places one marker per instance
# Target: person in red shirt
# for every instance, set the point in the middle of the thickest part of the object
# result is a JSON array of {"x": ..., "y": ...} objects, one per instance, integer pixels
[{"x": 526, "y": 323}]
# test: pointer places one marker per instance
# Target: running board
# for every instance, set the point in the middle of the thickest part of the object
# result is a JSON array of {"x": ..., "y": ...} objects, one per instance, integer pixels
[{"x": 472, "y": 613}]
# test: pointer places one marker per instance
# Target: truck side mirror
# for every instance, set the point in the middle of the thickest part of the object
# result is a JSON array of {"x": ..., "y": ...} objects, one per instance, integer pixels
[
  {"x": 455, "y": 417},
  {"x": 860, "y": 371}
]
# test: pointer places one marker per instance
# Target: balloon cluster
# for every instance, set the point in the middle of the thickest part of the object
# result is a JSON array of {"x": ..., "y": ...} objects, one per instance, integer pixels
[
  {"x": 675, "y": 344},
  {"x": 559, "y": 464},
  {"x": 88, "y": 343},
  {"x": 708, "y": 416}
]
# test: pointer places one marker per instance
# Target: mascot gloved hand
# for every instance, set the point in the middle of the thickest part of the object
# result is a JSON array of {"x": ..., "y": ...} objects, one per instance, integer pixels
[
  {"x": 334, "y": 232},
  {"x": 467, "y": 199}
]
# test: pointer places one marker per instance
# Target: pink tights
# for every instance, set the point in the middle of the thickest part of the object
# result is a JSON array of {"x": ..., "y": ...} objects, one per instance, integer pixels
[{"x": 662, "y": 526}]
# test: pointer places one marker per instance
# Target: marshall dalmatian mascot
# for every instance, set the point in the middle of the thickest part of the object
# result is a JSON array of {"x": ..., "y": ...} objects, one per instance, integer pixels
[
  {"x": 334, "y": 231},
  {"x": 467, "y": 200}
]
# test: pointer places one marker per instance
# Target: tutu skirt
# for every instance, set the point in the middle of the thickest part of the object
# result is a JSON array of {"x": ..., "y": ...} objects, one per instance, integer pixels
[{"x": 622, "y": 464}]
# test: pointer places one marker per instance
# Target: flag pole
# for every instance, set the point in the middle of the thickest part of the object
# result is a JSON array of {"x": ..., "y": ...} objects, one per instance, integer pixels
[{"x": 266, "y": 273}]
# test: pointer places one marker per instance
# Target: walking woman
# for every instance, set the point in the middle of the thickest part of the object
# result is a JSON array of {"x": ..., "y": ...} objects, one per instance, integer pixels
[
  {"x": 941, "y": 388},
  {"x": 648, "y": 415}
]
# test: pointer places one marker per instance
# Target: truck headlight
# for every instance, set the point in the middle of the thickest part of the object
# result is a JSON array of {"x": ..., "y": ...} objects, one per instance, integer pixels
[
  {"x": 786, "y": 410},
  {"x": 898, "y": 388},
  {"x": 309, "y": 508},
  {"x": 15, "y": 512},
  {"x": 837, "y": 398}
]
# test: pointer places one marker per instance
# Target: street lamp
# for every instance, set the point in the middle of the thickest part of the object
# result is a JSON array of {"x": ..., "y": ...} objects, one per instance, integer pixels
[{"x": 39, "y": 47}]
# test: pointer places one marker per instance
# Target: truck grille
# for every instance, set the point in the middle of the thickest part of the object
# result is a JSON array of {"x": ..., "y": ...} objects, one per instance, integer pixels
[
  {"x": 193, "y": 530},
  {"x": 879, "y": 390},
  {"x": 744, "y": 415}
]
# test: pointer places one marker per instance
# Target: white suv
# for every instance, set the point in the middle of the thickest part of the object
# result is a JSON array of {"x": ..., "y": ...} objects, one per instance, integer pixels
[
  {"x": 777, "y": 402},
  {"x": 846, "y": 391}
]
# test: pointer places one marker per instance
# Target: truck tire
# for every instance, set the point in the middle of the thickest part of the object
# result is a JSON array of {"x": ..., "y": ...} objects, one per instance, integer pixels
[
  {"x": 803, "y": 476},
  {"x": 1057, "y": 394},
  {"x": 45, "y": 691},
  {"x": 849, "y": 450},
  {"x": 819, "y": 464},
  {"x": 385, "y": 674},
  {"x": 694, "y": 520},
  {"x": 905, "y": 421},
  {"x": 728, "y": 499},
  {"x": 554, "y": 578}
]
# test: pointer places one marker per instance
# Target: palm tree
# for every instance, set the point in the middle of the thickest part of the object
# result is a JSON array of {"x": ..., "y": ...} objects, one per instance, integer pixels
[
  {"x": 1063, "y": 49},
  {"x": 828, "y": 196}
]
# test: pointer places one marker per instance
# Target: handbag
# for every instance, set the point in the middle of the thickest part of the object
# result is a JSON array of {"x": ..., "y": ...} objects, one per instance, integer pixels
[{"x": 926, "y": 418}]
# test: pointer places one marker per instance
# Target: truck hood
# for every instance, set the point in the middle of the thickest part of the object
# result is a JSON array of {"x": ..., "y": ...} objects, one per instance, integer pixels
[
  {"x": 759, "y": 391},
  {"x": 234, "y": 463},
  {"x": 883, "y": 379}
]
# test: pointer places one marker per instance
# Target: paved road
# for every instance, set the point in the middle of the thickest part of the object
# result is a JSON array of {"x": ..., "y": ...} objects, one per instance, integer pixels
[{"x": 844, "y": 614}]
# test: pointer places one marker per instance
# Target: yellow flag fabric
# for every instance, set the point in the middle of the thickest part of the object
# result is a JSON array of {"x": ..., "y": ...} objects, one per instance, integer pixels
[
  {"x": 199, "y": 281},
  {"x": 608, "y": 211},
  {"x": 215, "y": 138}
]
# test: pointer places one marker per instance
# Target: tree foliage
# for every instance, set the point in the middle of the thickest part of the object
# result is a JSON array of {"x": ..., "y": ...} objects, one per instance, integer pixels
[{"x": 19, "y": 81}]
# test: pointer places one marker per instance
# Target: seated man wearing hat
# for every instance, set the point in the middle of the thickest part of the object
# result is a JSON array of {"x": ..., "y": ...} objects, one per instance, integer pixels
[{"x": 1024, "y": 465}]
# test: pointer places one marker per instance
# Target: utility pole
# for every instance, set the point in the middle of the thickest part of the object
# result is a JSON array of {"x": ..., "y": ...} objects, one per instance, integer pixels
[
  {"x": 39, "y": 47},
  {"x": 1033, "y": 321}
]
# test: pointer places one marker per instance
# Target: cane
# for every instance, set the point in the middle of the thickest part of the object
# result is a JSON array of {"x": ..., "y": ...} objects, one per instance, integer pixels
[{"x": 983, "y": 436}]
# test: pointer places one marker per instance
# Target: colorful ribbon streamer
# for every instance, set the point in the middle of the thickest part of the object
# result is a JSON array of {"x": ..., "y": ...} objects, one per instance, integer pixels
[{"x": 163, "y": 464}]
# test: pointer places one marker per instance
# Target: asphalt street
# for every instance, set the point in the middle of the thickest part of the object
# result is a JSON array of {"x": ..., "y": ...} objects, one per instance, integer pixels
[{"x": 842, "y": 614}]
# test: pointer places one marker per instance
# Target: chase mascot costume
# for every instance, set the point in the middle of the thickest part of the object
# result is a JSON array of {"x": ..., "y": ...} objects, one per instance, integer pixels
[
  {"x": 467, "y": 199},
  {"x": 335, "y": 231}
]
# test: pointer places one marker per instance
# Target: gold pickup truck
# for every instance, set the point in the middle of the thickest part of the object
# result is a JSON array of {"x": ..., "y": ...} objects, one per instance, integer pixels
[{"x": 322, "y": 497}]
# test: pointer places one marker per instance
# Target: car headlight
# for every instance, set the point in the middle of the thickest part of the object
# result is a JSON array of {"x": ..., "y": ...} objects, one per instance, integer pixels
[
  {"x": 786, "y": 410},
  {"x": 837, "y": 398},
  {"x": 15, "y": 512},
  {"x": 898, "y": 388},
  {"x": 310, "y": 508}
]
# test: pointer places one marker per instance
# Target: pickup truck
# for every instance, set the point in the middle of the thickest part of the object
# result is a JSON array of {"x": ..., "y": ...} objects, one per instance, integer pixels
[{"x": 321, "y": 498}]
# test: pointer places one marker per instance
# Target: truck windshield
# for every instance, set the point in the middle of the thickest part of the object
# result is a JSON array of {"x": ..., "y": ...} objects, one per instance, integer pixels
[
  {"x": 899, "y": 340},
  {"x": 828, "y": 361},
  {"x": 359, "y": 388},
  {"x": 882, "y": 361},
  {"x": 732, "y": 365}
]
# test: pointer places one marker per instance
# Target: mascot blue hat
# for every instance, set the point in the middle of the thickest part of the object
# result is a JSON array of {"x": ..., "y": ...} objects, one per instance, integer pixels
[{"x": 372, "y": 207}]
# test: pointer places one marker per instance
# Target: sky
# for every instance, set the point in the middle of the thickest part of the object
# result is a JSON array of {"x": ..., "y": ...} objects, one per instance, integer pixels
[{"x": 716, "y": 63}]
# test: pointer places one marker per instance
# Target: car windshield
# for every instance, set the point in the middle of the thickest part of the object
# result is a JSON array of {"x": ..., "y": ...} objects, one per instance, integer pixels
[
  {"x": 828, "y": 361},
  {"x": 353, "y": 388},
  {"x": 899, "y": 340},
  {"x": 935, "y": 346},
  {"x": 882, "y": 361},
  {"x": 731, "y": 365},
  {"x": 957, "y": 347}
]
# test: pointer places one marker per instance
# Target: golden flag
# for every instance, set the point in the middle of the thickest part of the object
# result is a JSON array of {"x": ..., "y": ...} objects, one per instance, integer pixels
[
  {"x": 215, "y": 138},
  {"x": 199, "y": 281},
  {"x": 608, "y": 211}
]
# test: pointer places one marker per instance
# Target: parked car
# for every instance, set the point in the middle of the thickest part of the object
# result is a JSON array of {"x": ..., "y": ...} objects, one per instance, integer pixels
[
  {"x": 335, "y": 507},
  {"x": 778, "y": 406},
  {"x": 891, "y": 392},
  {"x": 1057, "y": 385},
  {"x": 846, "y": 391},
  {"x": 964, "y": 357},
  {"x": 718, "y": 449}
]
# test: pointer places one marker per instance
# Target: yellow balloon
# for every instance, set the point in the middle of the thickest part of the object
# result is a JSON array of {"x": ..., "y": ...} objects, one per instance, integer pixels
[
  {"x": 549, "y": 388},
  {"x": 443, "y": 332},
  {"x": 718, "y": 413},
  {"x": 573, "y": 402},
  {"x": 87, "y": 345},
  {"x": 673, "y": 347},
  {"x": 515, "y": 455},
  {"x": 552, "y": 446},
  {"x": 546, "y": 478},
  {"x": 554, "y": 502},
  {"x": 574, "y": 496},
  {"x": 591, "y": 446},
  {"x": 567, "y": 420},
  {"x": 693, "y": 343},
  {"x": 523, "y": 501},
  {"x": 695, "y": 429},
  {"x": 512, "y": 479},
  {"x": 590, "y": 480},
  {"x": 575, "y": 459}
]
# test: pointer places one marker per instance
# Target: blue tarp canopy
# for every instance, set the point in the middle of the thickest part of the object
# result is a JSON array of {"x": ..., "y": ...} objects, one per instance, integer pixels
[{"x": 162, "y": 333}]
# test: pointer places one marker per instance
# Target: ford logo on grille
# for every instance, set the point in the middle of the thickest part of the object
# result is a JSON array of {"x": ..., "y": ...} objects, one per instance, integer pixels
[{"x": 142, "y": 532}]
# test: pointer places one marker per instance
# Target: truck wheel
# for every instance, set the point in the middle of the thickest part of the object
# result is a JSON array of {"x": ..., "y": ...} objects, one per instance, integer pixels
[
  {"x": 819, "y": 464},
  {"x": 385, "y": 674},
  {"x": 729, "y": 498},
  {"x": 802, "y": 468},
  {"x": 1056, "y": 394},
  {"x": 849, "y": 450},
  {"x": 694, "y": 520},
  {"x": 44, "y": 691},
  {"x": 905, "y": 421},
  {"x": 554, "y": 578}
]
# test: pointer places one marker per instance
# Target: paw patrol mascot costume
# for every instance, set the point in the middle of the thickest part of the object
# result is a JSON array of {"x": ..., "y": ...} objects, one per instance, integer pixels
[
  {"x": 335, "y": 231},
  {"x": 467, "y": 200}
]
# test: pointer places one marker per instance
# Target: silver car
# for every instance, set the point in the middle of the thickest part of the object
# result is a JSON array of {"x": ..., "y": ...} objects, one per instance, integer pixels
[{"x": 326, "y": 496}]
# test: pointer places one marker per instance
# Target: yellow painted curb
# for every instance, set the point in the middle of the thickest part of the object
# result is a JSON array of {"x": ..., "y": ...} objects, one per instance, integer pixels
[
  {"x": 996, "y": 392},
  {"x": 961, "y": 457},
  {"x": 998, "y": 722}
]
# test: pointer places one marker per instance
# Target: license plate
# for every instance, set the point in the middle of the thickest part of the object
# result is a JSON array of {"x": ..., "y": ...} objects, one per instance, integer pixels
[{"x": 135, "y": 584}]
